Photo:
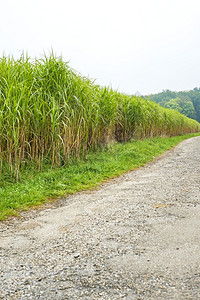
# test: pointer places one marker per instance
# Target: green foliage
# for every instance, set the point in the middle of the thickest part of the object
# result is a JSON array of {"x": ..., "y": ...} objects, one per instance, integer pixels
[
  {"x": 186, "y": 102},
  {"x": 173, "y": 104},
  {"x": 48, "y": 112},
  {"x": 183, "y": 106},
  {"x": 36, "y": 187}
]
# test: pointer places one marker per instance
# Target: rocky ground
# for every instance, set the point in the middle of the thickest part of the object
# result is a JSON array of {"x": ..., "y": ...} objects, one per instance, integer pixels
[{"x": 137, "y": 237}]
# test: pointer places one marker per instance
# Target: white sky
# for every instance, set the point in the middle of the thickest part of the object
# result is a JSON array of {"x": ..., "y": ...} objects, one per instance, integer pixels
[{"x": 132, "y": 45}]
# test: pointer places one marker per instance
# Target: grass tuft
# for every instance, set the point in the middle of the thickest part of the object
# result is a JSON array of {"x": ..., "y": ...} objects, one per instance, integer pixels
[
  {"x": 36, "y": 188},
  {"x": 49, "y": 112}
]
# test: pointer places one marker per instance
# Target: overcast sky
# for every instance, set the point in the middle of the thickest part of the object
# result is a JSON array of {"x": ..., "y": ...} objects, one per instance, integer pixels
[{"x": 132, "y": 45}]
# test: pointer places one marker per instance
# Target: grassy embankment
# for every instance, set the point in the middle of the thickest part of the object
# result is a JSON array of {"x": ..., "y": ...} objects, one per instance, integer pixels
[{"x": 56, "y": 128}]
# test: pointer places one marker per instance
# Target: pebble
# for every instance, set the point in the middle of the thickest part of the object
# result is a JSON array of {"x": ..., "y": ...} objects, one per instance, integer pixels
[{"x": 110, "y": 249}]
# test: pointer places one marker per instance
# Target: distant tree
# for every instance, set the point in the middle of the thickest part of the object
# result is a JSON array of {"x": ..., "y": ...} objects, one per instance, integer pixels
[
  {"x": 184, "y": 106},
  {"x": 163, "y": 97},
  {"x": 186, "y": 102},
  {"x": 173, "y": 104},
  {"x": 195, "y": 98},
  {"x": 188, "y": 109}
]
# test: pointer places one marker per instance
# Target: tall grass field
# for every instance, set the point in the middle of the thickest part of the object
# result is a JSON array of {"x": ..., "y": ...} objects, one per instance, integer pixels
[{"x": 50, "y": 113}]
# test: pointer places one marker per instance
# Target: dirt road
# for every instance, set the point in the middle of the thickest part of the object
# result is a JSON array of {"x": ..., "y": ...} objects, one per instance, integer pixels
[{"x": 137, "y": 237}]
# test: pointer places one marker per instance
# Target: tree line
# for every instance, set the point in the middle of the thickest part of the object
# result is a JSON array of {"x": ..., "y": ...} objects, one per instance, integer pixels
[{"x": 185, "y": 102}]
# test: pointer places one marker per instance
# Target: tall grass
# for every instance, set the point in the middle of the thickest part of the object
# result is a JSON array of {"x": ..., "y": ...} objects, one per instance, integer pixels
[{"x": 50, "y": 112}]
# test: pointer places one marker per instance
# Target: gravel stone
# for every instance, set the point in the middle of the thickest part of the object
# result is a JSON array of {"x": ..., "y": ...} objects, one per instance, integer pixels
[{"x": 136, "y": 237}]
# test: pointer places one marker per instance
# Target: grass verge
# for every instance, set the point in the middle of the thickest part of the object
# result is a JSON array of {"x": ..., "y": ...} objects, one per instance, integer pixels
[{"x": 36, "y": 188}]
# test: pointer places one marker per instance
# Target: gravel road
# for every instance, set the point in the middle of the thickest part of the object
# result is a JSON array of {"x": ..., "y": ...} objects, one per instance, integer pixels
[{"x": 137, "y": 237}]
